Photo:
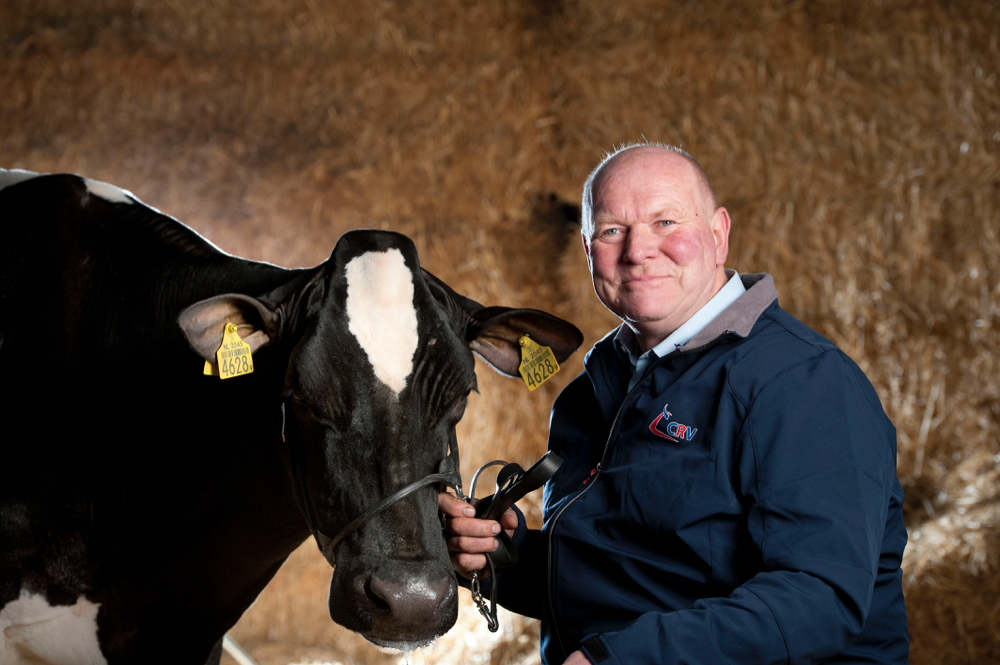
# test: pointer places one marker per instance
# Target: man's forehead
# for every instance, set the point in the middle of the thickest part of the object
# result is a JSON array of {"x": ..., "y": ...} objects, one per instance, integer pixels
[
  {"x": 656, "y": 183},
  {"x": 655, "y": 201},
  {"x": 647, "y": 166}
]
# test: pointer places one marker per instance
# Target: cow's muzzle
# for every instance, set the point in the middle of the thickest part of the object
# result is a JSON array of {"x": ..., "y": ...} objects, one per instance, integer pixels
[{"x": 398, "y": 604}]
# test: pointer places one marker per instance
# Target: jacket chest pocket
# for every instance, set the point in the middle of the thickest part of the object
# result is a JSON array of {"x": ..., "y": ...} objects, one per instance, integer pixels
[{"x": 659, "y": 484}]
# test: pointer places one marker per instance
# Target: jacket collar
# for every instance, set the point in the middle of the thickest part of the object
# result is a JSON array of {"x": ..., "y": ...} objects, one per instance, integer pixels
[{"x": 739, "y": 318}]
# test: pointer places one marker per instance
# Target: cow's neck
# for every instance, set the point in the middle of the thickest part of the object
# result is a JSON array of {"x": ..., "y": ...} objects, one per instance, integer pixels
[{"x": 263, "y": 524}]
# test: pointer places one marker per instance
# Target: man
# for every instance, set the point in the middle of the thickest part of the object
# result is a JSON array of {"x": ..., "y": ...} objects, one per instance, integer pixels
[{"x": 729, "y": 490}]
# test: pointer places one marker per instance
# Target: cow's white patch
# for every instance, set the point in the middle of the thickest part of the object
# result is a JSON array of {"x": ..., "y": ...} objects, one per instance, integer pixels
[
  {"x": 34, "y": 632},
  {"x": 14, "y": 176},
  {"x": 381, "y": 315},
  {"x": 109, "y": 192}
]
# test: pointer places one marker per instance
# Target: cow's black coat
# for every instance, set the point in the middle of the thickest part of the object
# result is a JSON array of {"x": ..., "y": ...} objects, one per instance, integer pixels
[{"x": 168, "y": 496}]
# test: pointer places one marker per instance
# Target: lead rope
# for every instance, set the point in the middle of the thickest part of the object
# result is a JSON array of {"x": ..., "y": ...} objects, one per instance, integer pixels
[
  {"x": 489, "y": 612},
  {"x": 513, "y": 483}
]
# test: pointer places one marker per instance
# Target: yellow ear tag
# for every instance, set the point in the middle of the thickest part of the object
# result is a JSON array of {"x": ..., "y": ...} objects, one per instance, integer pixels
[
  {"x": 234, "y": 355},
  {"x": 538, "y": 363}
]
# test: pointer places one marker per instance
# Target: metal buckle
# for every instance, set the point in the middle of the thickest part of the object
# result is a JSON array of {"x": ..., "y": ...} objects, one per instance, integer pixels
[{"x": 484, "y": 609}]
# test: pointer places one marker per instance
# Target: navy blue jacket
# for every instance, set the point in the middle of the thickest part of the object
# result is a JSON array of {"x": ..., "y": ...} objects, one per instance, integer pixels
[{"x": 739, "y": 505}]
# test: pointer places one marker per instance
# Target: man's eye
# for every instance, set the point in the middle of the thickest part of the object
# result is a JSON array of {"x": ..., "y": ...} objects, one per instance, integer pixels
[
  {"x": 609, "y": 232},
  {"x": 665, "y": 222}
]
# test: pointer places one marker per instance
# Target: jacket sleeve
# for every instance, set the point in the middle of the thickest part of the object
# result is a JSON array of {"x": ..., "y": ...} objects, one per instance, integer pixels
[{"x": 815, "y": 461}]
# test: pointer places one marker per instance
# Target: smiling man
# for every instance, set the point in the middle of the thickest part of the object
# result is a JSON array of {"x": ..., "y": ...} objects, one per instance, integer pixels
[
  {"x": 656, "y": 241},
  {"x": 729, "y": 492}
]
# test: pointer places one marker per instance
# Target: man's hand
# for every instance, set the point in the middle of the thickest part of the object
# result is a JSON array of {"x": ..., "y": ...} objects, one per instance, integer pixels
[
  {"x": 470, "y": 538},
  {"x": 577, "y": 658}
]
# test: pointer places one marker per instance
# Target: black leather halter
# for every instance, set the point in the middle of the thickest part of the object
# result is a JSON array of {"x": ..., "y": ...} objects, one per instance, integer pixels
[{"x": 448, "y": 474}]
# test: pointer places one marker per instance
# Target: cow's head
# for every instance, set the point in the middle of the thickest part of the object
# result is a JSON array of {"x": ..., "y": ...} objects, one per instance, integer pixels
[{"x": 379, "y": 368}]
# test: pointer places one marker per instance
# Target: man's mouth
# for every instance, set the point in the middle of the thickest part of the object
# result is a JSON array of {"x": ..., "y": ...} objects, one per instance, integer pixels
[{"x": 639, "y": 279}]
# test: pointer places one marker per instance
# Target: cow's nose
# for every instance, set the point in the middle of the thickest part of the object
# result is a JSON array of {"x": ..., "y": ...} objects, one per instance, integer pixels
[
  {"x": 393, "y": 603},
  {"x": 415, "y": 601}
]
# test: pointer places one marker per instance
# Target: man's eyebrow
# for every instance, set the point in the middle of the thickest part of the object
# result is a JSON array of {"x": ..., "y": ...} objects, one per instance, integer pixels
[{"x": 666, "y": 212}]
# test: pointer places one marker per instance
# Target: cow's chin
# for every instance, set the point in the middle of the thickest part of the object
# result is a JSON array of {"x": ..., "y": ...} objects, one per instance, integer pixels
[
  {"x": 399, "y": 605},
  {"x": 397, "y": 647}
]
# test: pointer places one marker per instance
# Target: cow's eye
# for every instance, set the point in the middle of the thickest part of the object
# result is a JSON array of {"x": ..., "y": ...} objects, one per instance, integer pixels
[
  {"x": 305, "y": 407},
  {"x": 458, "y": 406}
]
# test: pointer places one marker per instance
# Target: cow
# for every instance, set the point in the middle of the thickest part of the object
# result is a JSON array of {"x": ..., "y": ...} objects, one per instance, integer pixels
[{"x": 145, "y": 502}]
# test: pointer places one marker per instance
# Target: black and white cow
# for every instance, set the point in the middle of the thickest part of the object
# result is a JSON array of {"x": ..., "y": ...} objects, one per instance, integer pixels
[{"x": 143, "y": 504}]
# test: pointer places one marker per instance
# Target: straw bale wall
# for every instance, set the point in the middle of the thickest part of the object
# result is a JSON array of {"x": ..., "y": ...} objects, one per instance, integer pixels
[{"x": 854, "y": 143}]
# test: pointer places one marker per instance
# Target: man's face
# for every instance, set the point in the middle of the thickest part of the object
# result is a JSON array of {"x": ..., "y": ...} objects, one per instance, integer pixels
[{"x": 659, "y": 248}]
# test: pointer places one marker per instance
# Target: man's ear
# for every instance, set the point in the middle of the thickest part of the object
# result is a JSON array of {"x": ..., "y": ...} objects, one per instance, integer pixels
[
  {"x": 494, "y": 334},
  {"x": 720, "y": 231},
  {"x": 586, "y": 251},
  {"x": 204, "y": 323}
]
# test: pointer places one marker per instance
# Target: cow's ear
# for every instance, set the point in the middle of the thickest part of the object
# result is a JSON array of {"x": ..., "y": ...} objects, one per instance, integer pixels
[
  {"x": 494, "y": 334},
  {"x": 204, "y": 322}
]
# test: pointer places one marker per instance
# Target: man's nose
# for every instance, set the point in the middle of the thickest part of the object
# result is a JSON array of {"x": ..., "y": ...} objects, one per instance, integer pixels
[{"x": 640, "y": 245}]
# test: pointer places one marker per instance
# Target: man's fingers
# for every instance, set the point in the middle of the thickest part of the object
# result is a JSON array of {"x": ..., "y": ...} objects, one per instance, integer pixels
[
  {"x": 509, "y": 520},
  {"x": 577, "y": 658},
  {"x": 452, "y": 506},
  {"x": 470, "y": 563},
  {"x": 471, "y": 545},
  {"x": 470, "y": 526},
  {"x": 471, "y": 538},
  {"x": 462, "y": 520}
]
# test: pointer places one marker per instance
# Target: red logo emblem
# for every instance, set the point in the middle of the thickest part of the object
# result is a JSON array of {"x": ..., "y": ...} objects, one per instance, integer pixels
[{"x": 671, "y": 429}]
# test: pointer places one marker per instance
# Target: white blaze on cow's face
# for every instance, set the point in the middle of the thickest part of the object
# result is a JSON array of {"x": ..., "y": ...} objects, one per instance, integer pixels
[
  {"x": 109, "y": 192},
  {"x": 32, "y": 631},
  {"x": 381, "y": 315}
]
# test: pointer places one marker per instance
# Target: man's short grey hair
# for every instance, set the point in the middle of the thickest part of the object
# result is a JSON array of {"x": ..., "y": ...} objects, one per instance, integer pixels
[{"x": 587, "y": 202}]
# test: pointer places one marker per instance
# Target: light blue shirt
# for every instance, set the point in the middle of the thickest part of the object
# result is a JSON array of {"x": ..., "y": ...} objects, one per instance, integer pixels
[{"x": 625, "y": 342}]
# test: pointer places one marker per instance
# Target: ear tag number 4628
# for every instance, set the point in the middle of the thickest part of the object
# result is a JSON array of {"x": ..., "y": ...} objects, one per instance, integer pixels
[
  {"x": 538, "y": 363},
  {"x": 233, "y": 356}
]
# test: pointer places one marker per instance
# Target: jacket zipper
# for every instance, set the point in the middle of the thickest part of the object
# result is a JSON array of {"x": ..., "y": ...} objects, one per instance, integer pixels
[
  {"x": 595, "y": 474},
  {"x": 590, "y": 482}
]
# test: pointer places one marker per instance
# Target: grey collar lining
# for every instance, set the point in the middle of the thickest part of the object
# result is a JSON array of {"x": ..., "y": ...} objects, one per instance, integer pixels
[{"x": 741, "y": 316}]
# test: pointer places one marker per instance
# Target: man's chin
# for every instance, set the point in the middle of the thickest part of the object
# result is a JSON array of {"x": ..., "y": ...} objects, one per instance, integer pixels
[{"x": 639, "y": 318}]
